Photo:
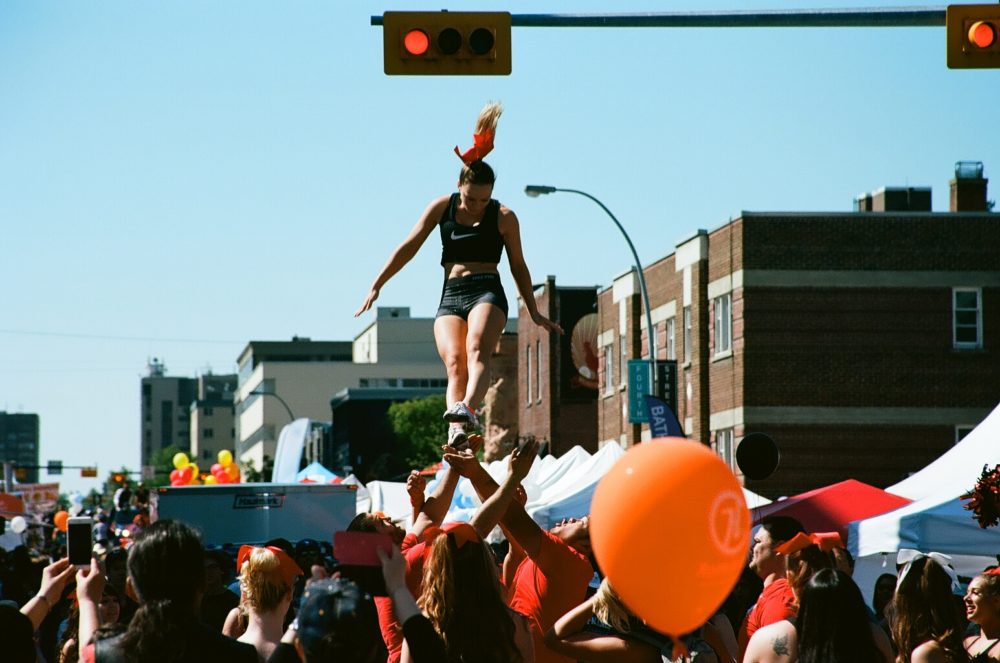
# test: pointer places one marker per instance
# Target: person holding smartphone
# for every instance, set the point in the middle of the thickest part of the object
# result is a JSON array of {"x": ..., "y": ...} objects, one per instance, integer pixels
[{"x": 474, "y": 229}]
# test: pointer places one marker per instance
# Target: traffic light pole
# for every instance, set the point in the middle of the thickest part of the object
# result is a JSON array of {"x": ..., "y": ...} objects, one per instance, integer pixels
[{"x": 874, "y": 17}]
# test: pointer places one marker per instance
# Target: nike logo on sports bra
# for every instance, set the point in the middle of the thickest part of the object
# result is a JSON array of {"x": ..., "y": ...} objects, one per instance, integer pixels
[{"x": 454, "y": 236}]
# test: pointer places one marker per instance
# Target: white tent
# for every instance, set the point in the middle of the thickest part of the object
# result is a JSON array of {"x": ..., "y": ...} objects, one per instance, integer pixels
[
  {"x": 557, "y": 488},
  {"x": 935, "y": 520}
]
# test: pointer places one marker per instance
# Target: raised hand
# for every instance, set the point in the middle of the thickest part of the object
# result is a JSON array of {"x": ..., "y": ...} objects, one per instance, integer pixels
[
  {"x": 369, "y": 300},
  {"x": 521, "y": 459}
]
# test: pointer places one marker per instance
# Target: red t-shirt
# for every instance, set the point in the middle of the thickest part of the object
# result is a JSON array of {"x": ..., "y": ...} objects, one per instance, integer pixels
[
  {"x": 547, "y": 586},
  {"x": 776, "y": 602},
  {"x": 392, "y": 630}
]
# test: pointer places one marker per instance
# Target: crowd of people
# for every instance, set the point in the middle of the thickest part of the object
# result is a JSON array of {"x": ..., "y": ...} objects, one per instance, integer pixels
[{"x": 450, "y": 596}]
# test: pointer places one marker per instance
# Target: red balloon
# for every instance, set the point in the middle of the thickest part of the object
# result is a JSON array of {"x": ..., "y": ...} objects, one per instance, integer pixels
[
  {"x": 176, "y": 482},
  {"x": 217, "y": 467},
  {"x": 185, "y": 474},
  {"x": 175, "y": 475}
]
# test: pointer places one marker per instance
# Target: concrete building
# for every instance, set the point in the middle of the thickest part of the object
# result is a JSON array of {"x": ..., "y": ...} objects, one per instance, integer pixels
[
  {"x": 19, "y": 444},
  {"x": 865, "y": 343},
  {"x": 301, "y": 376},
  {"x": 557, "y": 375},
  {"x": 213, "y": 426},
  {"x": 165, "y": 411}
]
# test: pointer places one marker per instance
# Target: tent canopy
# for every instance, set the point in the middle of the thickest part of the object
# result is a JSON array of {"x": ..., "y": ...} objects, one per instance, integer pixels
[
  {"x": 315, "y": 472},
  {"x": 831, "y": 508}
]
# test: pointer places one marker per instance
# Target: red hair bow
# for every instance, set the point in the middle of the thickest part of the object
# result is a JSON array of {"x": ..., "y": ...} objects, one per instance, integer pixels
[
  {"x": 286, "y": 565},
  {"x": 463, "y": 533},
  {"x": 826, "y": 541},
  {"x": 482, "y": 144}
]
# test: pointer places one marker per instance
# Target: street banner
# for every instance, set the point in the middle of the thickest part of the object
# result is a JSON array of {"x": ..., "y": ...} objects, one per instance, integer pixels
[
  {"x": 662, "y": 420},
  {"x": 38, "y": 497}
]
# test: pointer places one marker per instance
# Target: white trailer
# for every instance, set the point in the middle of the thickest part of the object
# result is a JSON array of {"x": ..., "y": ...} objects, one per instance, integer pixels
[{"x": 257, "y": 512}]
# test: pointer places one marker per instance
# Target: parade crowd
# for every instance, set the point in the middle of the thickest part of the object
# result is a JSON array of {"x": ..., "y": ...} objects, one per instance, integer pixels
[{"x": 445, "y": 594}]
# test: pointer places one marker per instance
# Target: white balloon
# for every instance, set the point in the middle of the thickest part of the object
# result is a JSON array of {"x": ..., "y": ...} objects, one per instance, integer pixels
[
  {"x": 76, "y": 498},
  {"x": 18, "y": 524},
  {"x": 75, "y": 509}
]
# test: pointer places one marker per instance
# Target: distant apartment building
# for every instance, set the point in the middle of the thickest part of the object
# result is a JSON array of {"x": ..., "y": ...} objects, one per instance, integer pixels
[
  {"x": 865, "y": 343},
  {"x": 19, "y": 442},
  {"x": 557, "y": 374},
  {"x": 213, "y": 425},
  {"x": 299, "y": 377},
  {"x": 165, "y": 411}
]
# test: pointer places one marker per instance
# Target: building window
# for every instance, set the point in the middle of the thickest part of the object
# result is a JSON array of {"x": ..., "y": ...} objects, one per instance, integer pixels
[
  {"x": 623, "y": 376},
  {"x": 724, "y": 446},
  {"x": 723, "y": 324},
  {"x": 609, "y": 382},
  {"x": 961, "y": 431},
  {"x": 207, "y": 433},
  {"x": 527, "y": 373},
  {"x": 538, "y": 370},
  {"x": 967, "y": 318},
  {"x": 671, "y": 342},
  {"x": 687, "y": 334},
  {"x": 207, "y": 411}
]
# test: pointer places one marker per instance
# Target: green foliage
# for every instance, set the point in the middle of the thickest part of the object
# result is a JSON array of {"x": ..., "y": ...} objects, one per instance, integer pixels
[
  {"x": 163, "y": 461},
  {"x": 419, "y": 430}
]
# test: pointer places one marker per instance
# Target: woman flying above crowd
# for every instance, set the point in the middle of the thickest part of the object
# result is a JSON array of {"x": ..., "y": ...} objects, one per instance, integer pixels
[{"x": 474, "y": 229}]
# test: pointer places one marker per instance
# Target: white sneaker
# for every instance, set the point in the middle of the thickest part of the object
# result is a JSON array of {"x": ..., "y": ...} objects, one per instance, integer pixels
[
  {"x": 460, "y": 413},
  {"x": 457, "y": 437}
]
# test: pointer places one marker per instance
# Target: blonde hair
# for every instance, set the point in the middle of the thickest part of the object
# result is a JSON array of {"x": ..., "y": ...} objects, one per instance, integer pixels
[
  {"x": 608, "y": 607},
  {"x": 489, "y": 117},
  {"x": 264, "y": 587}
]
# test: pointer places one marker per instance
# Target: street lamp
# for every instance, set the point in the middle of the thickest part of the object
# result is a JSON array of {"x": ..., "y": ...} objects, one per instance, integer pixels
[
  {"x": 535, "y": 190},
  {"x": 280, "y": 400}
]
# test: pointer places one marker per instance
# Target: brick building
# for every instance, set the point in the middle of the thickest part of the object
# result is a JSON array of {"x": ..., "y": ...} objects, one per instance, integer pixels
[
  {"x": 557, "y": 375},
  {"x": 865, "y": 343}
]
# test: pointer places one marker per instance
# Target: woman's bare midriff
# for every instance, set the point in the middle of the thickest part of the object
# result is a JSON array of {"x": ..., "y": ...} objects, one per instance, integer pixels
[{"x": 454, "y": 270}]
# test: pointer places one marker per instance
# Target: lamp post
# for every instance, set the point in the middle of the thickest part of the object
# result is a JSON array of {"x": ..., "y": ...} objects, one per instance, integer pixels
[
  {"x": 533, "y": 191},
  {"x": 280, "y": 400}
]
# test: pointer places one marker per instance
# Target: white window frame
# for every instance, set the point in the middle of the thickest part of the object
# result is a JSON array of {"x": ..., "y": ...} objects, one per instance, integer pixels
[
  {"x": 538, "y": 370},
  {"x": 688, "y": 353},
  {"x": 725, "y": 446},
  {"x": 722, "y": 307},
  {"x": 527, "y": 373},
  {"x": 671, "y": 340},
  {"x": 955, "y": 310},
  {"x": 609, "y": 368},
  {"x": 623, "y": 364}
]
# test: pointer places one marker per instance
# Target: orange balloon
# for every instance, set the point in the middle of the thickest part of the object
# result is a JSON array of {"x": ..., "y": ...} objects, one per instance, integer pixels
[
  {"x": 61, "y": 520},
  {"x": 670, "y": 529},
  {"x": 233, "y": 472}
]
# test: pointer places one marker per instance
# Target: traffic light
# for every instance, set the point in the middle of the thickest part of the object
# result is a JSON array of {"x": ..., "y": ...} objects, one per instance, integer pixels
[
  {"x": 118, "y": 477},
  {"x": 446, "y": 43},
  {"x": 973, "y": 36}
]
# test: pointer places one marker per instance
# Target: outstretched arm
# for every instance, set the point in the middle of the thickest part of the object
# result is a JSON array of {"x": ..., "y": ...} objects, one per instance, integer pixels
[
  {"x": 511, "y": 232},
  {"x": 516, "y": 520},
  {"x": 493, "y": 509},
  {"x": 405, "y": 251}
]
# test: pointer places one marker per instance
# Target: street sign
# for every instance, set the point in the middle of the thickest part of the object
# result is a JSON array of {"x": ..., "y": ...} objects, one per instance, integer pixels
[
  {"x": 88, "y": 471},
  {"x": 667, "y": 372},
  {"x": 55, "y": 467},
  {"x": 640, "y": 383}
]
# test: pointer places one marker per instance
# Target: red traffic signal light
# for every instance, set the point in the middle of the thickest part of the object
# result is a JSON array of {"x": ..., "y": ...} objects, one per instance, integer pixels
[
  {"x": 446, "y": 43},
  {"x": 973, "y": 36}
]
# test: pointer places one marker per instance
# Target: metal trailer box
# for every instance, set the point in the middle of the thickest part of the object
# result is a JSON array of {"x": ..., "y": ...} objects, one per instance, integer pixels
[{"x": 257, "y": 512}]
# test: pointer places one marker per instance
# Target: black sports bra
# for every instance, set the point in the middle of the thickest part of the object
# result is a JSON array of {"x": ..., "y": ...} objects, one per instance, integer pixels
[
  {"x": 983, "y": 656},
  {"x": 479, "y": 243}
]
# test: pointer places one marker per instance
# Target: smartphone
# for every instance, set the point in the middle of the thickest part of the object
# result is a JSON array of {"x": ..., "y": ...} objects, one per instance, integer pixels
[
  {"x": 358, "y": 548},
  {"x": 358, "y": 561},
  {"x": 80, "y": 541}
]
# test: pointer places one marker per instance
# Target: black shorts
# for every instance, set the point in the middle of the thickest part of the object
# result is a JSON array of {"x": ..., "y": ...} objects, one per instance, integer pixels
[{"x": 460, "y": 295}]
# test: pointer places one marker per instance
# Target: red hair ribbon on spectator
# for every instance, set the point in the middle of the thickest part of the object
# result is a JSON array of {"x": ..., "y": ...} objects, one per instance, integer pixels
[
  {"x": 826, "y": 541},
  {"x": 482, "y": 144},
  {"x": 463, "y": 533},
  {"x": 995, "y": 571},
  {"x": 286, "y": 565}
]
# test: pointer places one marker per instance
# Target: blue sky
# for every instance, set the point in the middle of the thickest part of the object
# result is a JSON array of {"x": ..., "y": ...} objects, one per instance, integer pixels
[{"x": 179, "y": 178}]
